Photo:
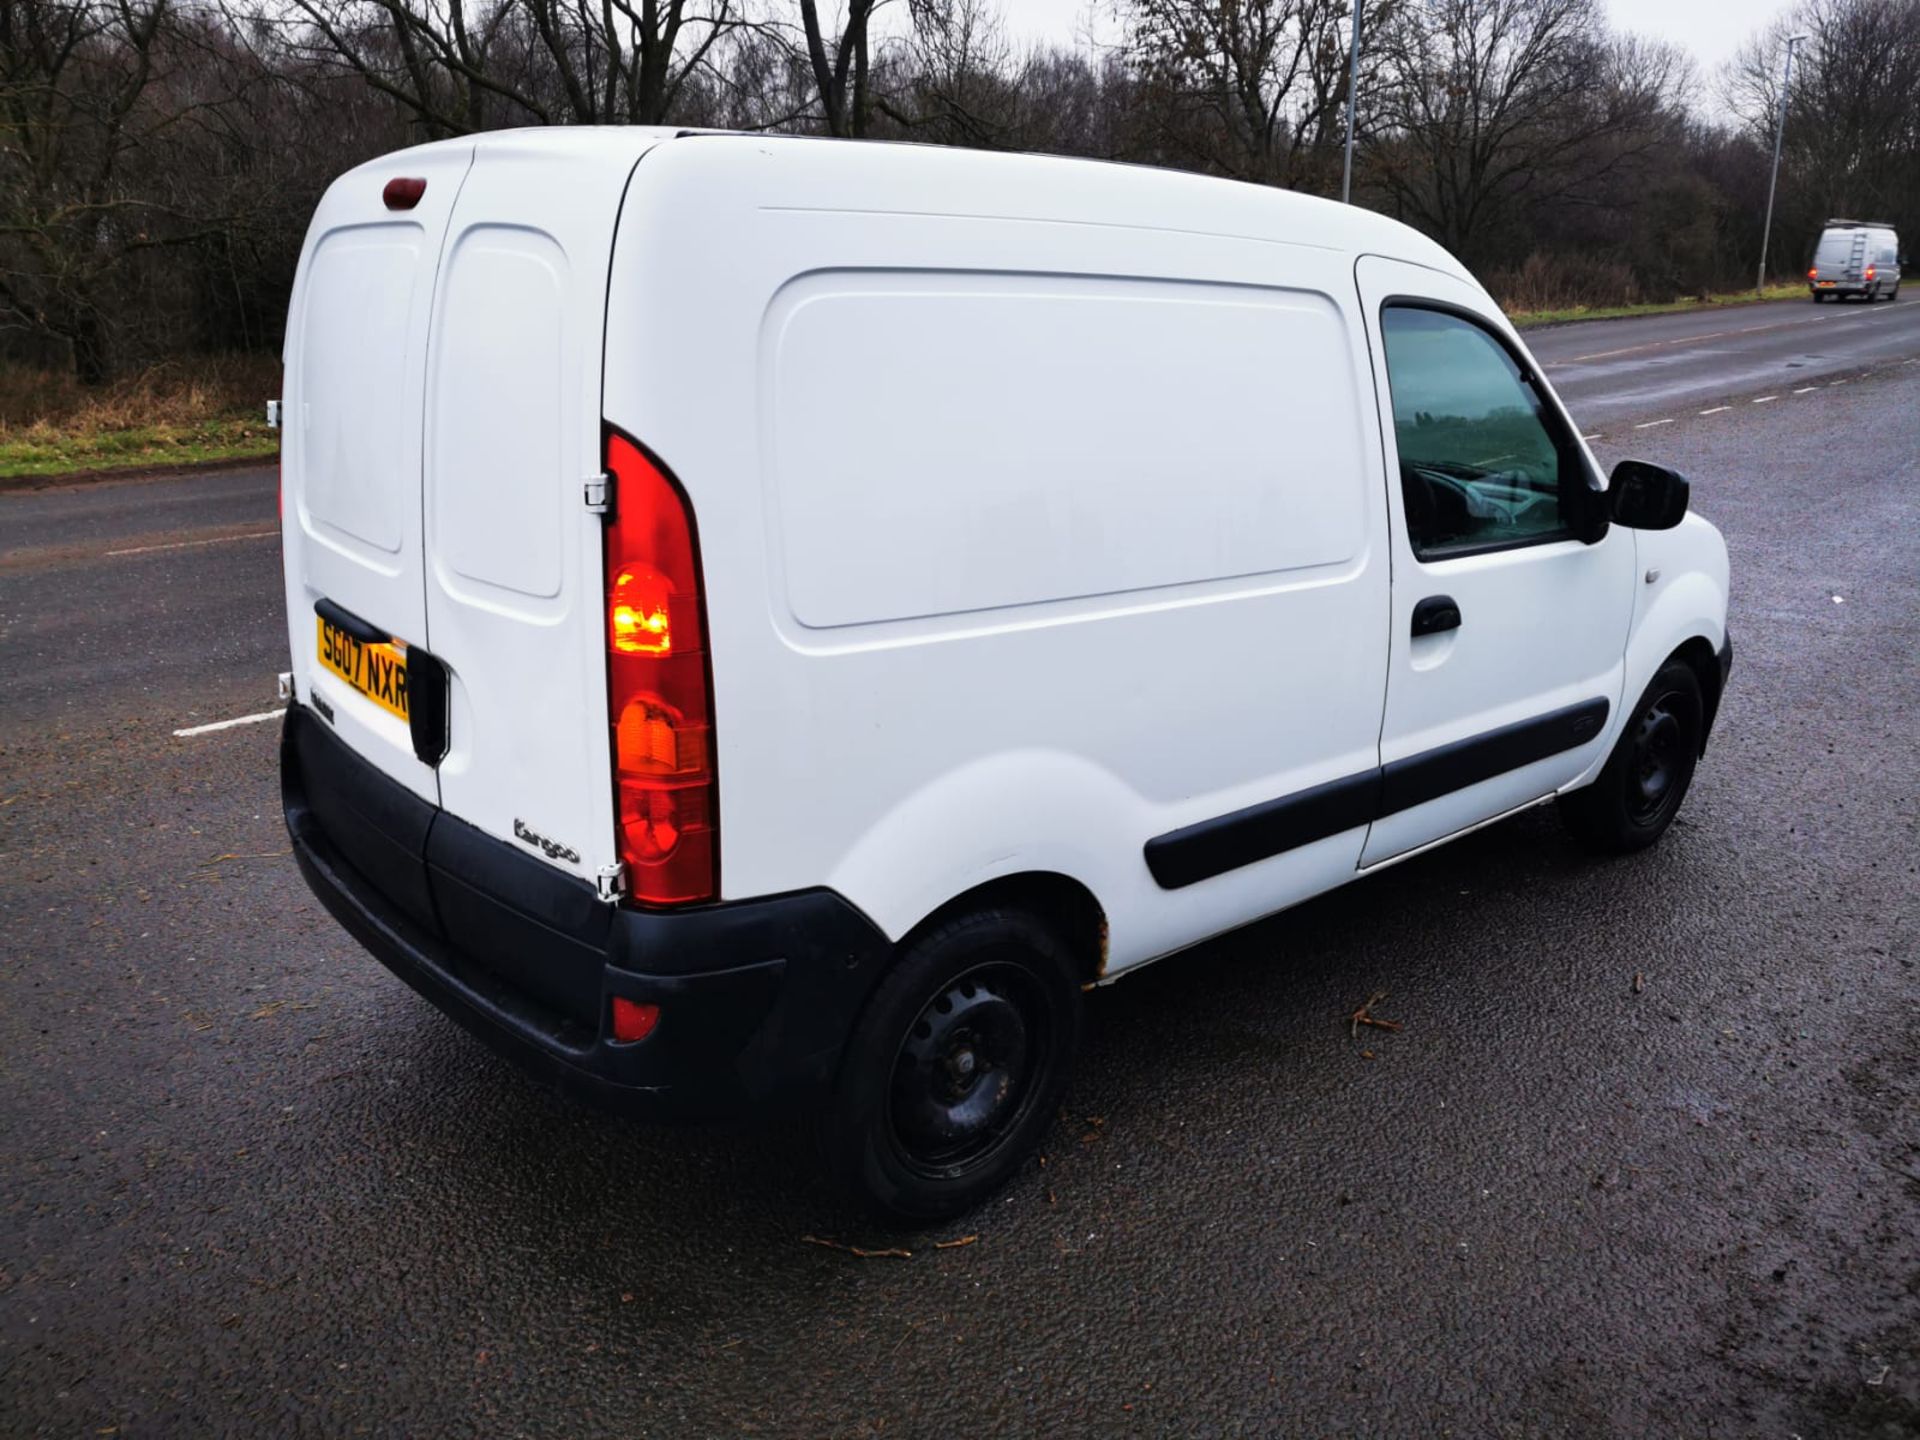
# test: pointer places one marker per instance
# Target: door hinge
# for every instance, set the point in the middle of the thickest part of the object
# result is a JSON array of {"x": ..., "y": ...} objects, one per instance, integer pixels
[
  {"x": 611, "y": 883},
  {"x": 273, "y": 414},
  {"x": 597, "y": 492}
]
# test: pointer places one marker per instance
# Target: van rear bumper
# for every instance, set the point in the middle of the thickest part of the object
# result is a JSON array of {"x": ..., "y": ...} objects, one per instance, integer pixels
[{"x": 756, "y": 997}]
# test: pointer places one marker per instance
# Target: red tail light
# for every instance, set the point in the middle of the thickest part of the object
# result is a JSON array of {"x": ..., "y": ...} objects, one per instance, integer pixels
[
  {"x": 632, "y": 1021},
  {"x": 403, "y": 192},
  {"x": 659, "y": 687},
  {"x": 1814, "y": 274},
  {"x": 1869, "y": 272}
]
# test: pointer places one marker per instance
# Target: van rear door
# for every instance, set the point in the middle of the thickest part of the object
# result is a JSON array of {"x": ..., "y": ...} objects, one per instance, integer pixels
[
  {"x": 356, "y": 362},
  {"x": 513, "y": 553}
]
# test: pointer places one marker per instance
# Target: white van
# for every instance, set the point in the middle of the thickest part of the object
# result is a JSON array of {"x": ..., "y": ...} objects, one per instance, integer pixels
[
  {"x": 774, "y": 620},
  {"x": 1856, "y": 257}
]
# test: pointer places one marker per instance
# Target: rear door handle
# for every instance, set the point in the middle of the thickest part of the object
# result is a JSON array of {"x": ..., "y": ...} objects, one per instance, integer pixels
[
  {"x": 1435, "y": 614},
  {"x": 342, "y": 618}
]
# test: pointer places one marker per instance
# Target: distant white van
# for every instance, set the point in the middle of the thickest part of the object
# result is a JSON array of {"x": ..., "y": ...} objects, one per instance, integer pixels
[
  {"x": 774, "y": 620},
  {"x": 1856, "y": 257}
]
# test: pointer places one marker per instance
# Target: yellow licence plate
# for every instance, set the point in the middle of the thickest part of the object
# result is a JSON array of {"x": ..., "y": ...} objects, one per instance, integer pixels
[{"x": 378, "y": 672}]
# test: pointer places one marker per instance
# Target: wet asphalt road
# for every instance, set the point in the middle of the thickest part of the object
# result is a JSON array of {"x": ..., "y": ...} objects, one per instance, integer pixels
[
  {"x": 1622, "y": 372},
  {"x": 254, "y": 1185}
]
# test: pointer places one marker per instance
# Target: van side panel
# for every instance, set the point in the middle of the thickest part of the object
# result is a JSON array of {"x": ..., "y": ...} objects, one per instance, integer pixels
[
  {"x": 1034, "y": 431},
  {"x": 1032, "y": 528}
]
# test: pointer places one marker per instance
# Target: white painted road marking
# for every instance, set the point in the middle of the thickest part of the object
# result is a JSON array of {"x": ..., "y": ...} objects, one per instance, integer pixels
[
  {"x": 1651, "y": 423},
  {"x": 1806, "y": 389},
  {"x": 193, "y": 730},
  {"x": 1716, "y": 410},
  {"x": 188, "y": 544},
  {"x": 1765, "y": 398}
]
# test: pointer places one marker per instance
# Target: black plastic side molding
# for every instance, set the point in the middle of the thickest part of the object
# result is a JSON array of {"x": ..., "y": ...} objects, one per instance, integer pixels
[{"x": 1213, "y": 847}]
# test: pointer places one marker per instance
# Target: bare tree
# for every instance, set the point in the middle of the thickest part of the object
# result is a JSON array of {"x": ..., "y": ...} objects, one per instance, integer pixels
[
  {"x": 461, "y": 68},
  {"x": 1497, "y": 108},
  {"x": 92, "y": 115},
  {"x": 1851, "y": 145},
  {"x": 841, "y": 75},
  {"x": 1247, "y": 88}
]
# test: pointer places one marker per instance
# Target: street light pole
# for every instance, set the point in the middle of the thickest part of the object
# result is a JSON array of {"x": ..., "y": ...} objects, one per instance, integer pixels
[
  {"x": 1353, "y": 90},
  {"x": 1773, "y": 179}
]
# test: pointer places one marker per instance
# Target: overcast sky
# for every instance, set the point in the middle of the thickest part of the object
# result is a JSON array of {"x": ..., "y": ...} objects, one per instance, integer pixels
[{"x": 1710, "y": 29}]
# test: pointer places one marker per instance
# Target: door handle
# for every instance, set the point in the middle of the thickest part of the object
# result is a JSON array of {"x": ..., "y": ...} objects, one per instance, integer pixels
[
  {"x": 1435, "y": 614},
  {"x": 342, "y": 618}
]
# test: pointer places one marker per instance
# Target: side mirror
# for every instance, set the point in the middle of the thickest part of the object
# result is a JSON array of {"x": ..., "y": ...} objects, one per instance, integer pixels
[{"x": 1644, "y": 496}]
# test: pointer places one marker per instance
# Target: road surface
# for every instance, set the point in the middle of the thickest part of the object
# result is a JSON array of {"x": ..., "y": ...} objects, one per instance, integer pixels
[
  {"x": 1645, "y": 1158},
  {"x": 1625, "y": 372}
]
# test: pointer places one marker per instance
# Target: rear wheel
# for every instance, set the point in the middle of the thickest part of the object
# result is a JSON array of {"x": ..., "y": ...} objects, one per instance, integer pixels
[
  {"x": 1640, "y": 788},
  {"x": 1819, "y": 297},
  {"x": 954, "y": 1070}
]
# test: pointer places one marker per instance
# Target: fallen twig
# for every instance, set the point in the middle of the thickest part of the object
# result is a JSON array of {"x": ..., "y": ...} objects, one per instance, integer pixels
[
  {"x": 1364, "y": 1016},
  {"x": 955, "y": 1244},
  {"x": 890, "y": 1253}
]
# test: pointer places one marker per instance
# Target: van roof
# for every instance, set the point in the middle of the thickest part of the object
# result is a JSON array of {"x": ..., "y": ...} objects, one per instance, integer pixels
[
  {"x": 1840, "y": 224},
  {"x": 1105, "y": 191}
]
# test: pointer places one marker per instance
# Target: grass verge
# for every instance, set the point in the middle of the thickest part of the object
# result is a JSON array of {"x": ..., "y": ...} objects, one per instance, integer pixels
[
  {"x": 1522, "y": 319},
  {"x": 142, "y": 447},
  {"x": 183, "y": 413}
]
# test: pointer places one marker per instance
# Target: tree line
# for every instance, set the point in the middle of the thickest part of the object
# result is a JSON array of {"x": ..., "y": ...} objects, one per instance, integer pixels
[{"x": 159, "y": 159}]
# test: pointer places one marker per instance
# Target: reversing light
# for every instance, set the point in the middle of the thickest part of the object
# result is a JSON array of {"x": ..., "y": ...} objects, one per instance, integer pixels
[
  {"x": 632, "y": 1021},
  {"x": 403, "y": 192}
]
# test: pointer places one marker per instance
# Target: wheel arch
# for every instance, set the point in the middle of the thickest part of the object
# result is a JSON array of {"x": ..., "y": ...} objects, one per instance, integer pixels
[
  {"x": 1058, "y": 900},
  {"x": 1699, "y": 656}
]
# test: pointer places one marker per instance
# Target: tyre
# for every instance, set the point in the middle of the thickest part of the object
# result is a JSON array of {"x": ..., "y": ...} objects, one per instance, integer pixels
[
  {"x": 1640, "y": 788},
  {"x": 956, "y": 1067}
]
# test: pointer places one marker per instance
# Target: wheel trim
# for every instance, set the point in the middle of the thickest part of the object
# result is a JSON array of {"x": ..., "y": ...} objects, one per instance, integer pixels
[{"x": 968, "y": 1068}]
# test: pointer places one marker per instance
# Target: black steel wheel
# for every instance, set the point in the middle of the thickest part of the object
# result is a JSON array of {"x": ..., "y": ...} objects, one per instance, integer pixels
[
  {"x": 955, "y": 1067},
  {"x": 1633, "y": 800},
  {"x": 969, "y": 1067},
  {"x": 1660, "y": 760}
]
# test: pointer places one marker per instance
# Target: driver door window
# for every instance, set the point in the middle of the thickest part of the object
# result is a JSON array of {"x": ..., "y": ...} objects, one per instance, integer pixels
[{"x": 1480, "y": 467}]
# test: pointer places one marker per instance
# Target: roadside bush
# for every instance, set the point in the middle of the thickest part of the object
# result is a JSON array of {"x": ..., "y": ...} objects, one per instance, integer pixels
[
  {"x": 1563, "y": 282},
  {"x": 182, "y": 392}
]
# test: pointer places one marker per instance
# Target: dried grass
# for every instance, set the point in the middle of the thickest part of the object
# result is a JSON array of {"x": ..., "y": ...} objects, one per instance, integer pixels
[
  {"x": 43, "y": 405},
  {"x": 1546, "y": 282}
]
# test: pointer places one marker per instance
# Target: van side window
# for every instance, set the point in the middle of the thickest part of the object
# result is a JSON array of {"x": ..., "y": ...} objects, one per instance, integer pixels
[{"x": 1483, "y": 463}]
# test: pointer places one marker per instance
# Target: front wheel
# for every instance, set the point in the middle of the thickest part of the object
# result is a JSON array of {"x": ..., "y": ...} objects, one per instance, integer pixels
[
  {"x": 956, "y": 1067},
  {"x": 1639, "y": 790}
]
